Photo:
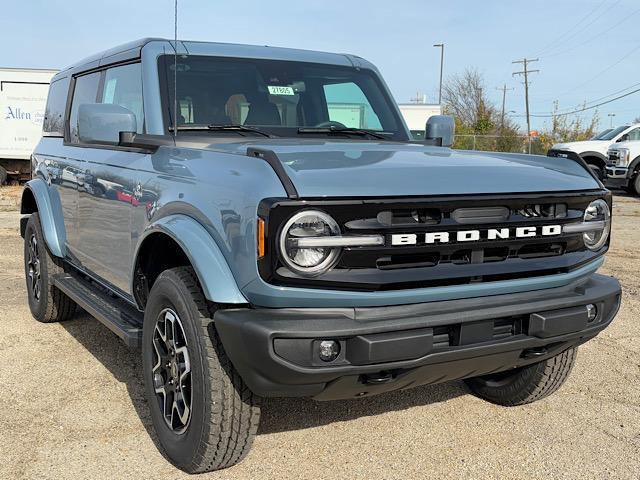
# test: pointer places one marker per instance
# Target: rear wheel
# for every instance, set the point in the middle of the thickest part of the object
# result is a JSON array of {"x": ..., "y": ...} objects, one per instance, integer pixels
[
  {"x": 3, "y": 175},
  {"x": 634, "y": 184},
  {"x": 526, "y": 384},
  {"x": 204, "y": 415},
  {"x": 46, "y": 302}
]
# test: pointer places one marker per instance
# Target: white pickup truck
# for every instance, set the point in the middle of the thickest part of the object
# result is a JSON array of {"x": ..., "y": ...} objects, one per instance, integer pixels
[
  {"x": 594, "y": 151},
  {"x": 623, "y": 166}
]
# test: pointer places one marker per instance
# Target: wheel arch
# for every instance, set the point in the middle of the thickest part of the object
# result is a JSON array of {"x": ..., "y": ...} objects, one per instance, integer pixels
[
  {"x": 595, "y": 157},
  {"x": 178, "y": 240},
  {"x": 38, "y": 197}
]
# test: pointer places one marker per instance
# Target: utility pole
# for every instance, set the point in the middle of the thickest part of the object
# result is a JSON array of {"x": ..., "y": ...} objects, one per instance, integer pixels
[
  {"x": 441, "y": 47},
  {"x": 611, "y": 115},
  {"x": 525, "y": 72},
  {"x": 504, "y": 98}
]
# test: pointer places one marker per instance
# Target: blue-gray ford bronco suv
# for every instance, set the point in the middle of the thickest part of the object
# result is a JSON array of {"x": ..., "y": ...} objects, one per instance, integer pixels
[{"x": 258, "y": 221}]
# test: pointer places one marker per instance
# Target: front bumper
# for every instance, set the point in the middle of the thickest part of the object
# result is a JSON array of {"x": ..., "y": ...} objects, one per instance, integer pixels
[
  {"x": 616, "y": 177},
  {"x": 388, "y": 348}
]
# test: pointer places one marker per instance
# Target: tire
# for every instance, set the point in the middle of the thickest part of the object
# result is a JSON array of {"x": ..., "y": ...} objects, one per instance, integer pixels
[
  {"x": 634, "y": 185},
  {"x": 223, "y": 414},
  {"x": 47, "y": 303},
  {"x": 526, "y": 384},
  {"x": 3, "y": 175}
]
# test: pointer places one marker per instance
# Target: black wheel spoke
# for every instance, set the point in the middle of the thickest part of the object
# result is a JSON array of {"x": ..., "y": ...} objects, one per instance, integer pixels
[{"x": 33, "y": 268}]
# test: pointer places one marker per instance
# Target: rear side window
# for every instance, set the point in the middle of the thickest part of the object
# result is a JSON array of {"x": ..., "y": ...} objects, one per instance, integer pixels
[
  {"x": 123, "y": 86},
  {"x": 53, "y": 125},
  {"x": 85, "y": 91}
]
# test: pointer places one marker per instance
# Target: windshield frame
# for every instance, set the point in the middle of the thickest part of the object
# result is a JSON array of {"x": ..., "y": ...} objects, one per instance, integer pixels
[{"x": 401, "y": 134}]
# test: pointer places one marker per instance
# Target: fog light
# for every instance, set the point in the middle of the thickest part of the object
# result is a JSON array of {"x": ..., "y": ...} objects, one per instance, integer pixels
[
  {"x": 329, "y": 350},
  {"x": 592, "y": 312}
]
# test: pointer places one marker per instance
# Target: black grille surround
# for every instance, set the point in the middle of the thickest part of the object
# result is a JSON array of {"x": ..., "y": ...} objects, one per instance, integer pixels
[{"x": 390, "y": 267}]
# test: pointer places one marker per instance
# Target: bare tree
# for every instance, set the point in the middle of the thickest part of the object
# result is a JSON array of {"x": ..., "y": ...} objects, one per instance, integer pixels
[{"x": 464, "y": 97}]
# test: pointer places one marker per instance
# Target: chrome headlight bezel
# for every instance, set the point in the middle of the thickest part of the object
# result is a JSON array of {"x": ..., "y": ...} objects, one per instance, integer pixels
[
  {"x": 328, "y": 261},
  {"x": 597, "y": 211}
]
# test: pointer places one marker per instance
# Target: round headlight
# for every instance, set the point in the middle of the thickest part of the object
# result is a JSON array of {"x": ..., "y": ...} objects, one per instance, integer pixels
[
  {"x": 304, "y": 260},
  {"x": 597, "y": 211}
]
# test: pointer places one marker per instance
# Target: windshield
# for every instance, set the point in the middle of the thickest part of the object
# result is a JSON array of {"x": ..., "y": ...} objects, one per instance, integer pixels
[
  {"x": 614, "y": 133},
  {"x": 277, "y": 97},
  {"x": 601, "y": 135}
]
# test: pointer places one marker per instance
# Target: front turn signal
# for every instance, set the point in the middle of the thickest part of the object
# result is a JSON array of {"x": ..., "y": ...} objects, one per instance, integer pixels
[{"x": 261, "y": 239}]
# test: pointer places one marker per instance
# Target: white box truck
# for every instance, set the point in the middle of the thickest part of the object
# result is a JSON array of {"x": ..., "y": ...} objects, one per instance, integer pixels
[
  {"x": 416, "y": 116},
  {"x": 23, "y": 95}
]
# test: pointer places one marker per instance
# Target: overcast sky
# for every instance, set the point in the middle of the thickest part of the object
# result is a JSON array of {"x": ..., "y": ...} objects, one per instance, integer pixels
[{"x": 588, "y": 49}]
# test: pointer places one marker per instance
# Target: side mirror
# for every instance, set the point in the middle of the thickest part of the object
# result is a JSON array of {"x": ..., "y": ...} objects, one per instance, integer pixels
[
  {"x": 440, "y": 129},
  {"x": 623, "y": 138},
  {"x": 103, "y": 122}
]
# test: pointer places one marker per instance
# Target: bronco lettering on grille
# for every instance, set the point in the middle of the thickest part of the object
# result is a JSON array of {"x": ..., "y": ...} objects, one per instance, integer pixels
[{"x": 475, "y": 235}]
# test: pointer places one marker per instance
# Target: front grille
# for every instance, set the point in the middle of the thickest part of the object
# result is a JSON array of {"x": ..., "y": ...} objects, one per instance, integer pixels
[
  {"x": 389, "y": 266},
  {"x": 613, "y": 159}
]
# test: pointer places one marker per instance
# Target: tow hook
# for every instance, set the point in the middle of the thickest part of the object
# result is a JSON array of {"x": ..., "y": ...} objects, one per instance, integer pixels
[
  {"x": 377, "y": 378},
  {"x": 534, "y": 352}
]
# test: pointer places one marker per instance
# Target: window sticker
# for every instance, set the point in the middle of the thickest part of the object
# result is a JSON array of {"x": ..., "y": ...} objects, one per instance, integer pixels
[{"x": 277, "y": 90}]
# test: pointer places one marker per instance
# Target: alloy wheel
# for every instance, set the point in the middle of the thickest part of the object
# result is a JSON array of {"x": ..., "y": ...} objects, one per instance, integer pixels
[
  {"x": 33, "y": 268},
  {"x": 172, "y": 371}
]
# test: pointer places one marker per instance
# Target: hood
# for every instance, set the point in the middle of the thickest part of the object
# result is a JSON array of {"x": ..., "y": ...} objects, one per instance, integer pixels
[
  {"x": 372, "y": 169},
  {"x": 584, "y": 146},
  {"x": 631, "y": 144}
]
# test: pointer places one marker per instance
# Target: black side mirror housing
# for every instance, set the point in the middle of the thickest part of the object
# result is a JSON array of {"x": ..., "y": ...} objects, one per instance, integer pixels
[{"x": 440, "y": 130}]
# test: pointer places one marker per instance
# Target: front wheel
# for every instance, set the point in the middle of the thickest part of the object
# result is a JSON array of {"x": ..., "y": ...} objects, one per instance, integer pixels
[
  {"x": 204, "y": 415},
  {"x": 526, "y": 384}
]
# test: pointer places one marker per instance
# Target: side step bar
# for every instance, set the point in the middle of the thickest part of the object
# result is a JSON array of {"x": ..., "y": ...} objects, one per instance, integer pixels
[{"x": 116, "y": 314}]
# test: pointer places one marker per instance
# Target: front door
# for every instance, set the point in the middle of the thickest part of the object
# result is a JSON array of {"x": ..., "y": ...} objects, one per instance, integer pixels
[{"x": 108, "y": 186}]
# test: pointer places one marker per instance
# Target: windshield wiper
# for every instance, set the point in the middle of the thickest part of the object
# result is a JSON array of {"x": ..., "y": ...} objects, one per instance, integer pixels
[
  {"x": 341, "y": 131},
  {"x": 223, "y": 128}
]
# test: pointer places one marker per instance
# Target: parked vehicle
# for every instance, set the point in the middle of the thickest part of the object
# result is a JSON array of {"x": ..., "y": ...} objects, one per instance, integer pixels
[
  {"x": 416, "y": 115},
  {"x": 623, "y": 166},
  {"x": 253, "y": 245},
  {"x": 594, "y": 151},
  {"x": 23, "y": 93}
]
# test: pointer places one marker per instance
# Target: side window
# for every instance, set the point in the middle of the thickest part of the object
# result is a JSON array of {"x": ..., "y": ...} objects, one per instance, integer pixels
[
  {"x": 123, "y": 86},
  {"x": 634, "y": 134},
  {"x": 85, "y": 91},
  {"x": 53, "y": 125},
  {"x": 348, "y": 105}
]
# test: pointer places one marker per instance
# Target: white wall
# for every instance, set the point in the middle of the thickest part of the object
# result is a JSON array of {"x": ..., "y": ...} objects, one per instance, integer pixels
[
  {"x": 22, "y": 102},
  {"x": 417, "y": 114}
]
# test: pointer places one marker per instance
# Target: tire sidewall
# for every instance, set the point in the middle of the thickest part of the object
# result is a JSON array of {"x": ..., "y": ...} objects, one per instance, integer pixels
[
  {"x": 635, "y": 184},
  {"x": 37, "y": 307},
  {"x": 169, "y": 292}
]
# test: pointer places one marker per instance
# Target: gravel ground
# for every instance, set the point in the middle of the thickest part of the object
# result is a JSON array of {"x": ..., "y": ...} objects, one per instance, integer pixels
[{"x": 74, "y": 406}]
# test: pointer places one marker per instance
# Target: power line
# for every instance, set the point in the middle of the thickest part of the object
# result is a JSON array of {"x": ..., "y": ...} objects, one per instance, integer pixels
[
  {"x": 627, "y": 55},
  {"x": 585, "y": 108},
  {"x": 592, "y": 38},
  {"x": 553, "y": 44}
]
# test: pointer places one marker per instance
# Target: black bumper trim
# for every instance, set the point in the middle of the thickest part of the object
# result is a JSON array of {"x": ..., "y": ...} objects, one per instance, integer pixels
[{"x": 253, "y": 338}]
